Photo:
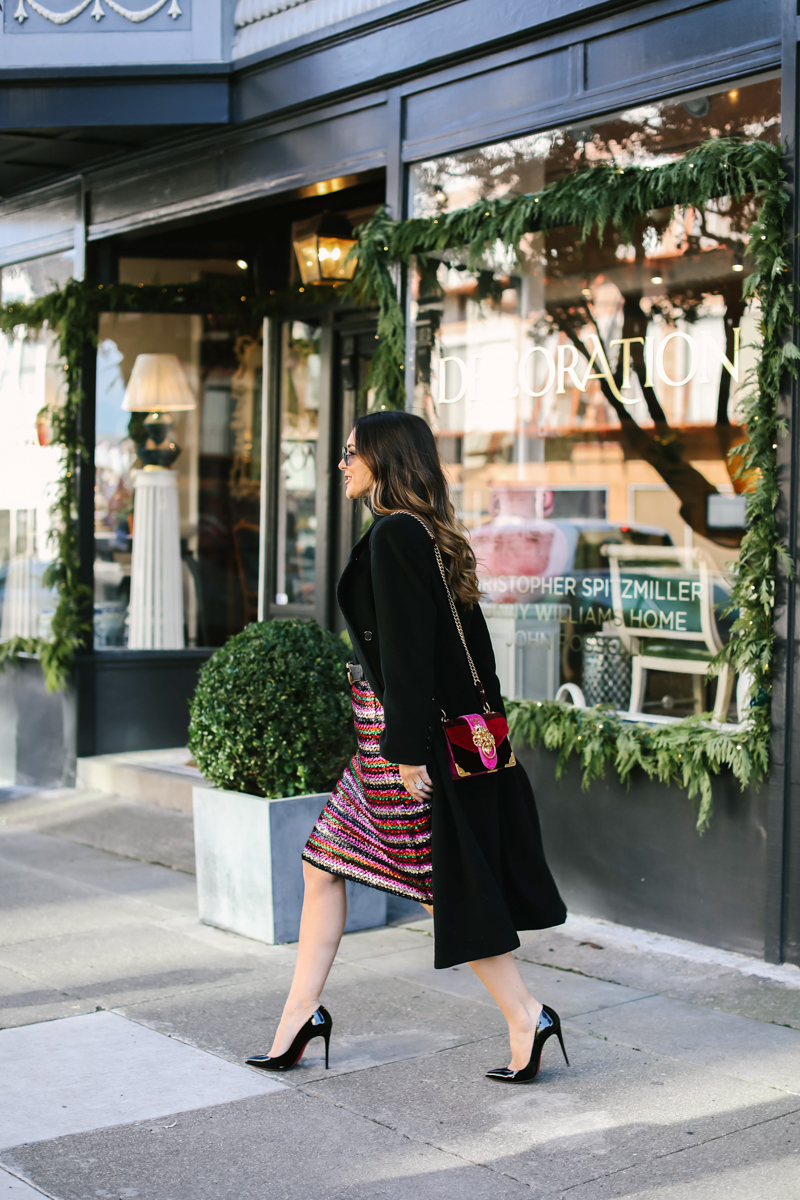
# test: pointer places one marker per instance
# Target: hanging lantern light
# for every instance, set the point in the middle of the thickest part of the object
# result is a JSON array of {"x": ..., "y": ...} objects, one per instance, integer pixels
[{"x": 322, "y": 246}]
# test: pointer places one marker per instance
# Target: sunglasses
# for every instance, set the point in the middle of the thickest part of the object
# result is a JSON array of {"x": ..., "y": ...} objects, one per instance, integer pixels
[{"x": 348, "y": 454}]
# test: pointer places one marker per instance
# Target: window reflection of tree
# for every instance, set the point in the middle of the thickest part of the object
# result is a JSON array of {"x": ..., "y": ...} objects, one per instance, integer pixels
[
  {"x": 575, "y": 316},
  {"x": 648, "y": 135}
]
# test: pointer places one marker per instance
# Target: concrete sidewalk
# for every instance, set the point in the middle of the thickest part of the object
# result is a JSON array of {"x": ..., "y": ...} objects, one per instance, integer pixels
[{"x": 125, "y": 1024}]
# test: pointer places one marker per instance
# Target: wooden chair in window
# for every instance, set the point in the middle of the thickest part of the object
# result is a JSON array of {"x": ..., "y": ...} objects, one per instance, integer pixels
[
  {"x": 246, "y": 550},
  {"x": 663, "y": 603}
]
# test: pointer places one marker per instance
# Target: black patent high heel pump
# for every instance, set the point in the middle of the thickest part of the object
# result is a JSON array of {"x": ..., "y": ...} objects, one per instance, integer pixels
[
  {"x": 319, "y": 1024},
  {"x": 549, "y": 1023}
]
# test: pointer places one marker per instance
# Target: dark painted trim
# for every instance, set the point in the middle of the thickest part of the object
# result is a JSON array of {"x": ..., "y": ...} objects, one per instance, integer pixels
[
  {"x": 62, "y": 196},
  {"x": 531, "y": 120},
  {"x": 124, "y": 70},
  {"x": 86, "y": 477},
  {"x": 85, "y": 691},
  {"x": 135, "y": 699},
  {"x": 146, "y": 101},
  {"x": 387, "y": 16},
  {"x": 395, "y": 175},
  {"x": 269, "y": 471},
  {"x": 547, "y": 13},
  {"x": 515, "y": 18},
  {"x": 45, "y": 193},
  {"x": 633, "y": 856},
  {"x": 101, "y": 660},
  {"x": 57, "y": 243},
  {"x": 212, "y": 201},
  {"x": 325, "y": 450},
  {"x": 704, "y": 70},
  {"x": 784, "y": 779},
  {"x": 174, "y": 155},
  {"x": 81, "y": 226},
  {"x": 347, "y": 59},
  {"x": 315, "y": 71}
]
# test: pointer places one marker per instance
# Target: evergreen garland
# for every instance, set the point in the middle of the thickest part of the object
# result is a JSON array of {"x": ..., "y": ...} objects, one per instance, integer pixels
[{"x": 688, "y": 752}]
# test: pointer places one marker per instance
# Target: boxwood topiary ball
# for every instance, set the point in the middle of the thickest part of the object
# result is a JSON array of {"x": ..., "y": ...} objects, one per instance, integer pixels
[{"x": 272, "y": 714}]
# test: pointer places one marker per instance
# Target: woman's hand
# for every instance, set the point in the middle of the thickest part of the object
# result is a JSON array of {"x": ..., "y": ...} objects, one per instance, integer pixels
[{"x": 416, "y": 781}]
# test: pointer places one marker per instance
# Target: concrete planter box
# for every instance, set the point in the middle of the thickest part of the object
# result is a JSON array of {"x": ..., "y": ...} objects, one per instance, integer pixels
[
  {"x": 634, "y": 856},
  {"x": 37, "y": 729},
  {"x": 249, "y": 866}
]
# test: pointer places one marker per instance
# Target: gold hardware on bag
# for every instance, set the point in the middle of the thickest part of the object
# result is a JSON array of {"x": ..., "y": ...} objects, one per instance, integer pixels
[
  {"x": 462, "y": 774},
  {"x": 483, "y": 739}
]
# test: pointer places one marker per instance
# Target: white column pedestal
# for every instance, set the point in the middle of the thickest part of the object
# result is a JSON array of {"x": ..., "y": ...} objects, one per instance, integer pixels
[{"x": 156, "y": 612}]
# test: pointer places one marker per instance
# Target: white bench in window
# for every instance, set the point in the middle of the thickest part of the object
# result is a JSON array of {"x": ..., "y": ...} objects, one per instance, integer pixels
[{"x": 663, "y": 602}]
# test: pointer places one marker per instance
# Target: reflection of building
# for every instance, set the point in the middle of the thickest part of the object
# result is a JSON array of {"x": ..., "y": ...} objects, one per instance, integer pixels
[{"x": 266, "y": 119}]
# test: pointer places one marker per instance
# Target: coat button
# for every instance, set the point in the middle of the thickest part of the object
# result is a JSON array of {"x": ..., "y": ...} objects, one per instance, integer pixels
[{"x": 367, "y": 635}]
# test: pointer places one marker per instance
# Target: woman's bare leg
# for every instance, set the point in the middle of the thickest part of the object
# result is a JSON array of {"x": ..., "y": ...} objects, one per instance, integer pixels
[
  {"x": 321, "y": 928},
  {"x": 501, "y": 978}
]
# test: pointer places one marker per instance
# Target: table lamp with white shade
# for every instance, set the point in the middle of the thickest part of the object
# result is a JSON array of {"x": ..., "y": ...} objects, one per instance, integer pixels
[{"x": 157, "y": 386}]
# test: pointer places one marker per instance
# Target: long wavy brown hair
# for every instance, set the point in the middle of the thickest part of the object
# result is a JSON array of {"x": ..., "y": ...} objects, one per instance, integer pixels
[{"x": 401, "y": 453}]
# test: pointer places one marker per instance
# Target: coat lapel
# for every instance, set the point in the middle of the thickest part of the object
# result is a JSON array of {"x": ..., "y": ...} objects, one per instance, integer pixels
[
  {"x": 344, "y": 589},
  {"x": 356, "y": 603}
]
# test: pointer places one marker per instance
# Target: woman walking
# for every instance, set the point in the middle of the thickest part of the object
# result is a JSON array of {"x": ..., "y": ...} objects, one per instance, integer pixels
[{"x": 466, "y": 845}]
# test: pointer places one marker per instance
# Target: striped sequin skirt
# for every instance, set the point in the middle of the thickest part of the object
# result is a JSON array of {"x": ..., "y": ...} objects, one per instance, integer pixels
[{"x": 371, "y": 830}]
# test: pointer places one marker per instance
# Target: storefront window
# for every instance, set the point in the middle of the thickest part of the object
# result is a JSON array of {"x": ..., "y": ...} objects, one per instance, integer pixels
[
  {"x": 31, "y": 383},
  {"x": 586, "y": 399},
  {"x": 297, "y": 470},
  {"x": 211, "y": 487}
]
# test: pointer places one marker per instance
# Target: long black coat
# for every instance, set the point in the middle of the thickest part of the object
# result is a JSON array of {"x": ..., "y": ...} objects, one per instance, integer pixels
[{"x": 490, "y": 877}]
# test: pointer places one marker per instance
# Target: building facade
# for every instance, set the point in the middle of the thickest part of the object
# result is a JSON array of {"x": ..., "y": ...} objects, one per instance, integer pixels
[{"x": 173, "y": 144}]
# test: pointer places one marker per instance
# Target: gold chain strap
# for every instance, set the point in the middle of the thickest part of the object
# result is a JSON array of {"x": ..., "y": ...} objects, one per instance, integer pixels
[{"x": 475, "y": 677}]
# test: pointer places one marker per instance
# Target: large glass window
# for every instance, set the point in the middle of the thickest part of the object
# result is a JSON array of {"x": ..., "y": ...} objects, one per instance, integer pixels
[
  {"x": 215, "y": 369},
  {"x": 31, "y": 386},
  {"x": 585, "y": 399}
]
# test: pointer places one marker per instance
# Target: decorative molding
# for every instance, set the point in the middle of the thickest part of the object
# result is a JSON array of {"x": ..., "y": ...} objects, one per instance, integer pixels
[
  {"x": 248, "y": 11},
  {"x": 261, "y": 24},
  {"x": 62, "y": 18}
]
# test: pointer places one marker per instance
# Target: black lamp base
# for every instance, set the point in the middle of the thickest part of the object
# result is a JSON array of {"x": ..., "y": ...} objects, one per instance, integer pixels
[{"x": 157, "y": 448}]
